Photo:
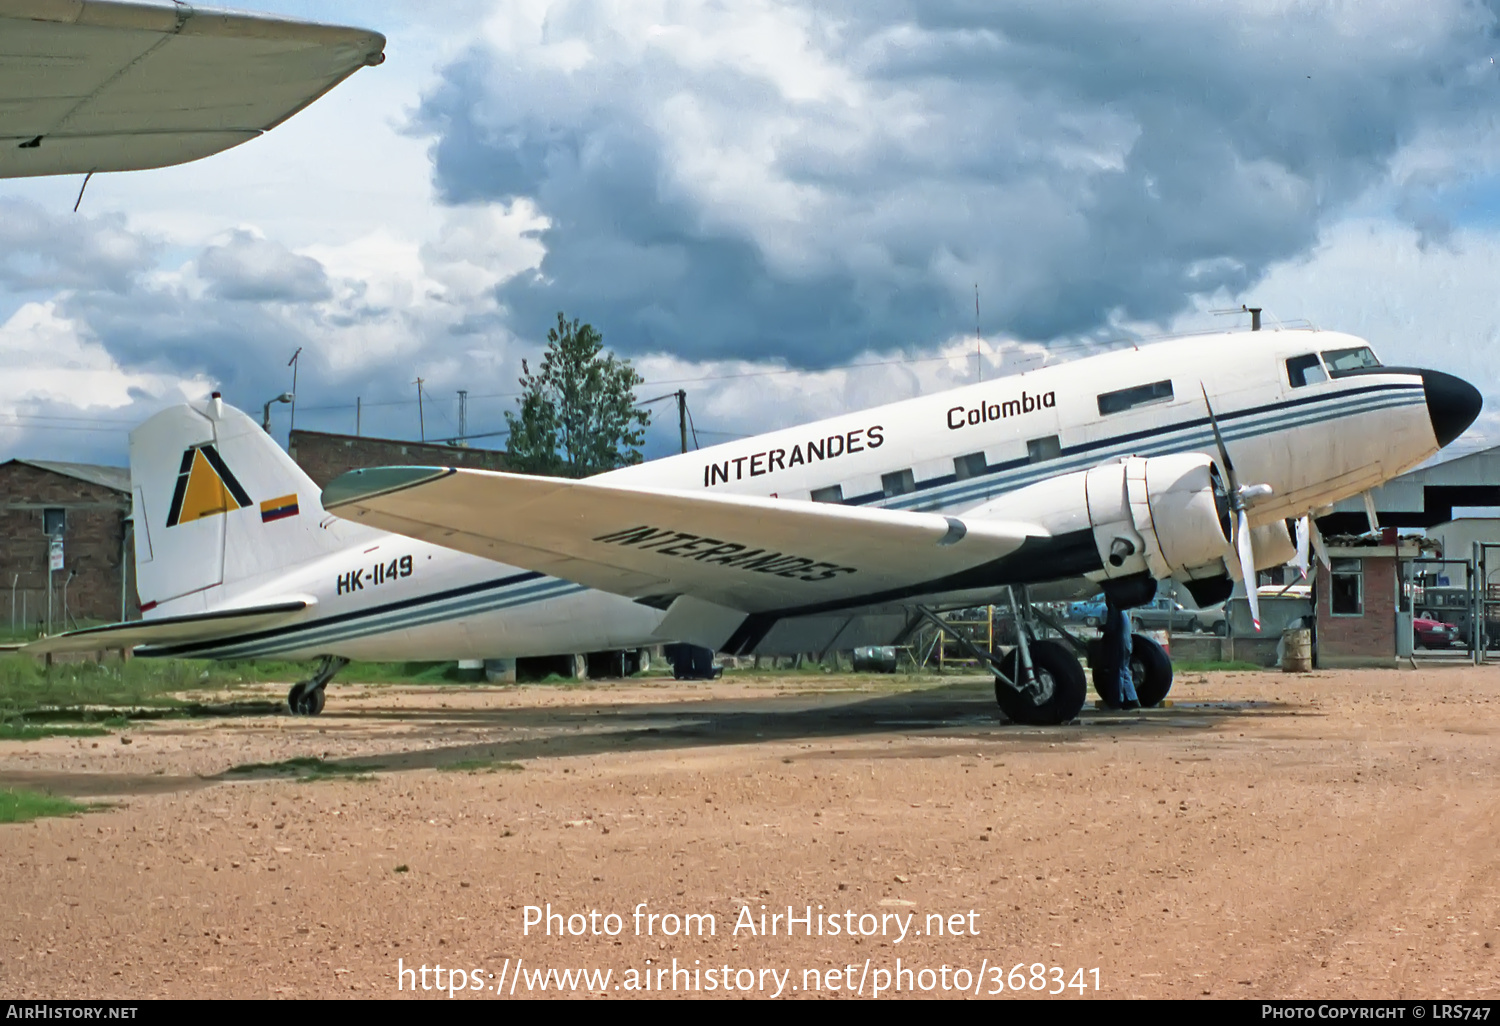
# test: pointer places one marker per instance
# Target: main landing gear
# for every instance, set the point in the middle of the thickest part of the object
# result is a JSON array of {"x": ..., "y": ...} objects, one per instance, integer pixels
[
  {"x": 306, "y": 698},
  {"x": 1041, "y": 681},
  {"x": 1150, "y": 671}
]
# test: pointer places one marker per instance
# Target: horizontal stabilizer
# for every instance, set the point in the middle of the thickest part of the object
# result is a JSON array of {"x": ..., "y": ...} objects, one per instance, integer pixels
[
  {"x": 168, "y": 630},
  {"x": 744, "y": 553}
]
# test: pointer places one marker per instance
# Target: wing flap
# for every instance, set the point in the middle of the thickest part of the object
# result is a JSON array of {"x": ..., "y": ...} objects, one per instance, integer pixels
[
  {"x": 745, "y": 553},
  {"x": 168, "y": 630}
]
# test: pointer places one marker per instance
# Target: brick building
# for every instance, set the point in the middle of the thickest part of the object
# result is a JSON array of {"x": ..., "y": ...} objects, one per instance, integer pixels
[
  {"x": 325, "y": 456},
  {"x": 90, "y": 505},
  {"x": 1364, "y": 617}
]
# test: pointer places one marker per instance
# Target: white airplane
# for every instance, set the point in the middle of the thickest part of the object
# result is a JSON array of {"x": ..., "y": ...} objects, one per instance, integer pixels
[
  {"x": 1180, "y": 460},
  {"x": 100, "y": 85}
]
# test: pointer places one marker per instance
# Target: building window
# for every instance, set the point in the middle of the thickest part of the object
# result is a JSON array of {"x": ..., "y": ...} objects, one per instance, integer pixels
[
  {"x": 1039, "y": 449},
  {"x": 1305, "y": 370},
  {"x": 1130, "y": 398},
  {"x": 898, "y": 483},
  {"x": 972, "y": 465},
  {"x": 54, "y": 522},
  {"x": 833, "y": 493},
  {"x": 1348, "y": 598}
]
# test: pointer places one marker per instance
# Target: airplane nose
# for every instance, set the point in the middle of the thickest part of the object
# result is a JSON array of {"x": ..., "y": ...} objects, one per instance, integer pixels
[{"x": 1452, "y": 404}]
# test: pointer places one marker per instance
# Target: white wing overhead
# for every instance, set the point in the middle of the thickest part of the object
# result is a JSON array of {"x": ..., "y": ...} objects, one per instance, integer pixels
[
  {"x": 99, "y": 85},
  {"x": 753, "y": 555}
]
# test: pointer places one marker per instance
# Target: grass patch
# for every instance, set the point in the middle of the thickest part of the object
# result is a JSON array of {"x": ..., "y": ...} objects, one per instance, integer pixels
[
  {"x": 24, "y": 806},
  {"x": 1192, "y": 667},
  {"x": 16, "y": 730},
  {"x": 484, "y": 765},
  {"x": 305, "y": 768}
]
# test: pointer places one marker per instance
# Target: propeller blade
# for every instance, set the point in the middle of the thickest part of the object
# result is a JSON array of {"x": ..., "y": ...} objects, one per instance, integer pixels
[
  {"x": 1247, "y": 565},
  {"x": 1304, "y": 527},
  {"x": 1213, "y": 422},
  {"x": 1317, "y": 543}
]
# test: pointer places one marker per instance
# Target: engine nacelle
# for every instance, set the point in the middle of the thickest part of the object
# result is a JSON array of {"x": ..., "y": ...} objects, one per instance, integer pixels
[
  {"x": 1173, "y": 511},
  {"x": 1167, "y": 516}
]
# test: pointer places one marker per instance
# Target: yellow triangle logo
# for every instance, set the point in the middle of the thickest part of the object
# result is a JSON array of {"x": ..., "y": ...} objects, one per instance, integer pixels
[{"x": 205, "y": 488}]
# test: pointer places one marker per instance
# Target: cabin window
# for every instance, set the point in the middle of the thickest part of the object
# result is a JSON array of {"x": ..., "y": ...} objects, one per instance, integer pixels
[
  {"x": 1305, "y": 370},
  {"x": 1039, "y": 449},
  {"x": 972, "y": 465},
  {"x": 833, "y": 493},
  {"x": 1130, "y": 398},
  {"x": 1348, "y": 597},
  {"x": 1349, "y": 361},
  {"x": 898, "y": 483}
]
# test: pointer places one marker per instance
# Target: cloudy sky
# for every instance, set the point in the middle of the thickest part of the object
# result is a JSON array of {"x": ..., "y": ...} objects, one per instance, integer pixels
[{"x": 748, "y": 198}]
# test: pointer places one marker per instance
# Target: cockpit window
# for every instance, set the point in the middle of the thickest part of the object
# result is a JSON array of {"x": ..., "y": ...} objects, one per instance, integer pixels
[
  {"x": 1304, "y": 370},
  {"x": 1348, "y": 361}
]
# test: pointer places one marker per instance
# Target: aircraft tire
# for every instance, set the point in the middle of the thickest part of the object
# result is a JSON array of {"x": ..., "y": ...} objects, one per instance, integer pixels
[
  {"x": 304, "y": 700},
  {"x": 1151, "y": 669},
  {"x": 1065, "y": 688}
]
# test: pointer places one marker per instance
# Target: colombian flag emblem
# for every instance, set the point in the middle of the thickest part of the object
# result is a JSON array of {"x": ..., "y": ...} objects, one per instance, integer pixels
[{"x": 278, "y": 509}]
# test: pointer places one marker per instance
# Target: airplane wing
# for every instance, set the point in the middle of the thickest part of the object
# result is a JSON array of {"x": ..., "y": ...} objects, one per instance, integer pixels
[
  {"x": 167, "y": 630},
  {"x": 100, "y": 85},
  {"x": 752, "y": 555}
]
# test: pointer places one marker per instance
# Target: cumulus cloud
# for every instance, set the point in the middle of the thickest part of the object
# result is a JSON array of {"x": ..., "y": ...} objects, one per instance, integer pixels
[
  {"x": 250, "y": 267},
  {"x": 813, "y": 181},
  {"x": 41, "y": 250}
]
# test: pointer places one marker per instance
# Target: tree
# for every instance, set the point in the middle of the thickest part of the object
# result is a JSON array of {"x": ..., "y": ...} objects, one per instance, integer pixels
[{"x": 578, "y": 415}]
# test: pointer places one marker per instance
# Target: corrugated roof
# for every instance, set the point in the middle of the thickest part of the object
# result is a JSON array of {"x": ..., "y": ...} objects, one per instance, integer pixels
[{"x": 114, "y": 478}]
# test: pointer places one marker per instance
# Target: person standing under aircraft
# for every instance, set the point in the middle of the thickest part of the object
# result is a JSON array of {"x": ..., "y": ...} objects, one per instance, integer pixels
[{"x": 1117, "y": 651}]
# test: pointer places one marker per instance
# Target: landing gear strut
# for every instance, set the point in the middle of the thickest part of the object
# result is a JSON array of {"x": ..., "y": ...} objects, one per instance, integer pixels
[
  {"x": 1037, "y": 683},
  {"x": 306, "y": 698}
]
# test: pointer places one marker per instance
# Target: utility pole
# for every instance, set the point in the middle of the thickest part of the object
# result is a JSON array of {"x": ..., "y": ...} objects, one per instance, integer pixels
[
  {"x": 463, "y": 416},
  {"x": 292, "y": 363},
  {"x": 421, "y": 420},
  {"x": 682, "y": 416},
  {"x": 978, "y": 338},
  {"x": 358, "y": 410}
]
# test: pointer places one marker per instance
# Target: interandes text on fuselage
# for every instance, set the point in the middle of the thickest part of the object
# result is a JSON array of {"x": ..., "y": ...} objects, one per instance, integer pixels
[
  {"x": 830, "y": 448},
  {"x": 964, "y": 416}
]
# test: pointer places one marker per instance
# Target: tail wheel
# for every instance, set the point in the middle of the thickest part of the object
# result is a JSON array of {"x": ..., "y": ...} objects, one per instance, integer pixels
[
  {"x": 306, "y": 700},
  {"x": 1150, "y": 669},
  {"x": 1060, "y": 690}
]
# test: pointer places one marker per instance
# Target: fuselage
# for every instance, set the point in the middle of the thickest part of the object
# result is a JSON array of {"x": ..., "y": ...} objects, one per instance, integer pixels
[{"x": 1316, "y": 429}]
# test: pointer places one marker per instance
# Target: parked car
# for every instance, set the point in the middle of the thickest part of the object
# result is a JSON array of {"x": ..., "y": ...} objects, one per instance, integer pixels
[
  {"x": 1090, "y": 611},
  {"x": 1434, "y": 633},
  {"x": 1166, "y": 613}
]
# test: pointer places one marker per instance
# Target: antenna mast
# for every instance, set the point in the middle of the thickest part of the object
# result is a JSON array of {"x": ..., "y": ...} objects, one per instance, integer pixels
[{"x": 978, "y": 338}]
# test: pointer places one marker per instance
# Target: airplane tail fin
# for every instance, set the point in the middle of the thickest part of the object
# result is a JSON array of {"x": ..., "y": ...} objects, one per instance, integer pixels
[{"x": 220, "y": 510}]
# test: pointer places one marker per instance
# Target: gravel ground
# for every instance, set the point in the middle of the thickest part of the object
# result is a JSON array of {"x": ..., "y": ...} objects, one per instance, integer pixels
[{"x": 1328, "y": 835}]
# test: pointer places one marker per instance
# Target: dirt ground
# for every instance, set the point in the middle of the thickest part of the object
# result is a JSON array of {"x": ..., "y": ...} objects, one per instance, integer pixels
[{"x": 1330, "y": 835}]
